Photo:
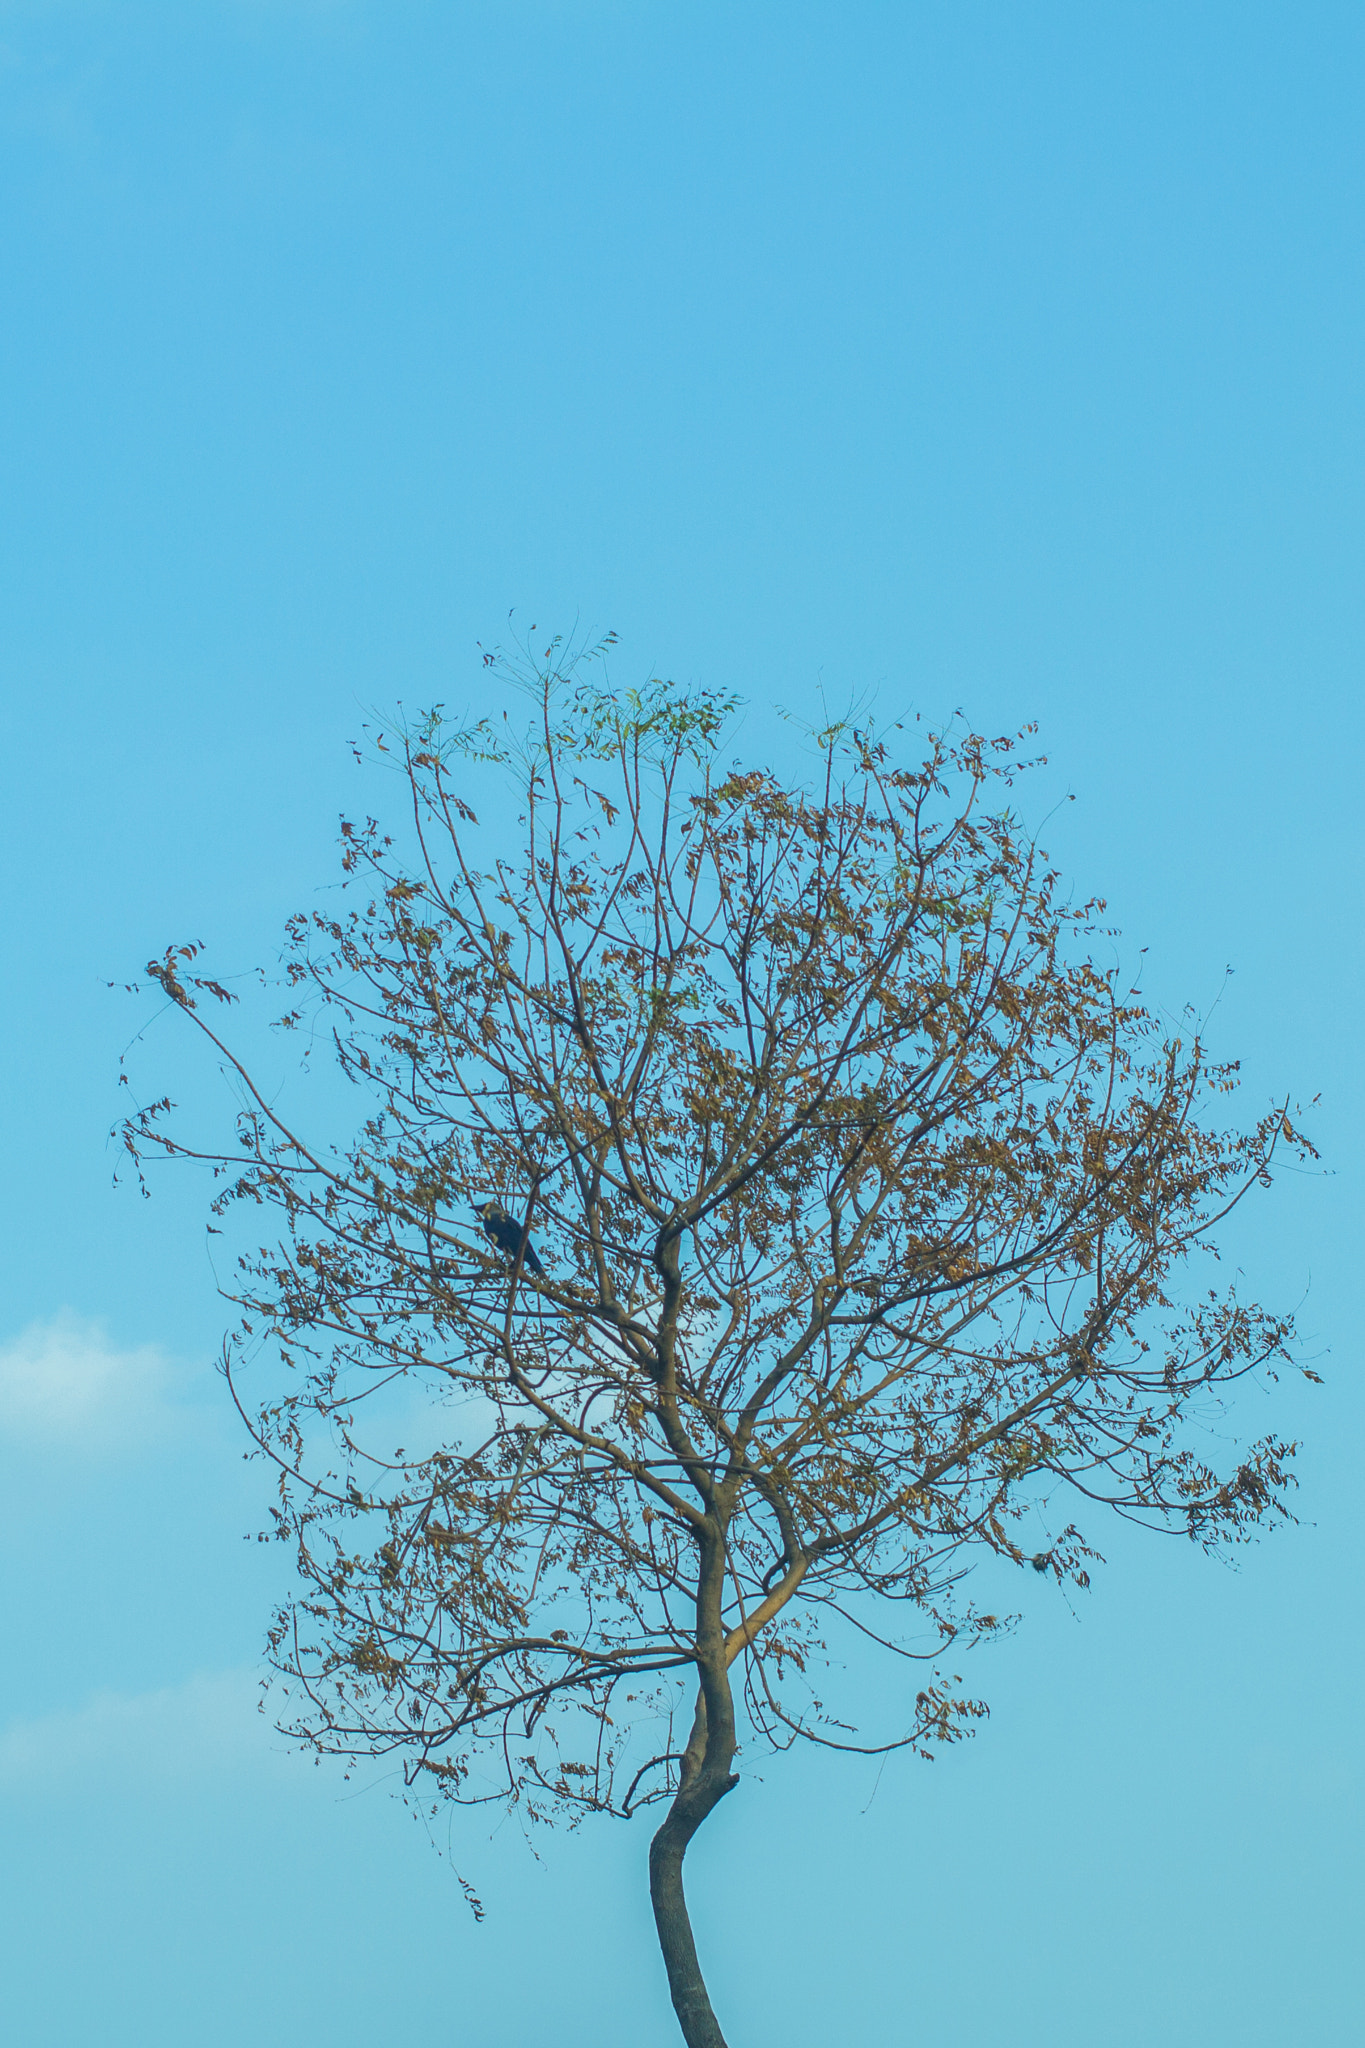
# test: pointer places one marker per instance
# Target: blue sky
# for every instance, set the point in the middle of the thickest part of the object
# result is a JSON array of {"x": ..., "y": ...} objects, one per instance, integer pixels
[{"x": 944, "y": 355}]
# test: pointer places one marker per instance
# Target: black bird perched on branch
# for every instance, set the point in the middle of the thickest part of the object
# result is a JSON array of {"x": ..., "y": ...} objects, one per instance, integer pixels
[{"x": 509, "y": 1237}]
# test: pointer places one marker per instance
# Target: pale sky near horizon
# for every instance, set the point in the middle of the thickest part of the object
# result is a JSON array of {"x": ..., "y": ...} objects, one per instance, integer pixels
[{"x": 966, "y": 354}]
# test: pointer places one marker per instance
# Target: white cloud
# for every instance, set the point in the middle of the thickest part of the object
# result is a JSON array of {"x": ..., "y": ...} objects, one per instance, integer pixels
[
  {"x": 206, "y": 1726},
  {"x": 62, "y": 1382}
]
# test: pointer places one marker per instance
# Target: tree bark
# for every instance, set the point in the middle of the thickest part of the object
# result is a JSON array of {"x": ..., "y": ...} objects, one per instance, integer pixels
[
  {"x": 704, "y": 1781},
  {"x": 687, "y": 1987}
]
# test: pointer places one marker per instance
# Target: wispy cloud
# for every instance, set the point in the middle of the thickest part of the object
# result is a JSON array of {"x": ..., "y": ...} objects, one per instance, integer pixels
[
  {"x": 64, "y": 1383},
  {"x": 206, "y": 1726}
]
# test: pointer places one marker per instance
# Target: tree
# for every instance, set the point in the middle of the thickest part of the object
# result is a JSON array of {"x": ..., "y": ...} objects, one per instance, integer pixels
[{"x": 776, "y": 1203}]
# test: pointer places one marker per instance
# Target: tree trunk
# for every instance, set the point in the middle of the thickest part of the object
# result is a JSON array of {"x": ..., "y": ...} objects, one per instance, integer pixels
[
  {"x": 700, "y": 2027},
  {"x": 704, "y": 1781}
]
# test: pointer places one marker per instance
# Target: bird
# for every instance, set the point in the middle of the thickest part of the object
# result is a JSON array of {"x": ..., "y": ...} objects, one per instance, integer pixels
[
  {"x": 509, "y": 1237},
  {"x": 1041, "y": 1562}
]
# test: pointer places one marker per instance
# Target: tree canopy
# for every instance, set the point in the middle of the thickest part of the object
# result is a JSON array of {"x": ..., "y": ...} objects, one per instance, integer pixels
[{"x": 873, "y": 1212}]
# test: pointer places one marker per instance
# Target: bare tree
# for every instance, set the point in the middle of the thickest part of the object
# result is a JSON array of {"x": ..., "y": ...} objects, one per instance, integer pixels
[{"x": 774, "y": 1203}]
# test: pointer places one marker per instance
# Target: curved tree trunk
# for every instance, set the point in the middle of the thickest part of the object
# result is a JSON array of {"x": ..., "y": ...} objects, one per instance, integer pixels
[
  {"x": 700, "y": 2027},
  {"x": 705, "y": 1780}
]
